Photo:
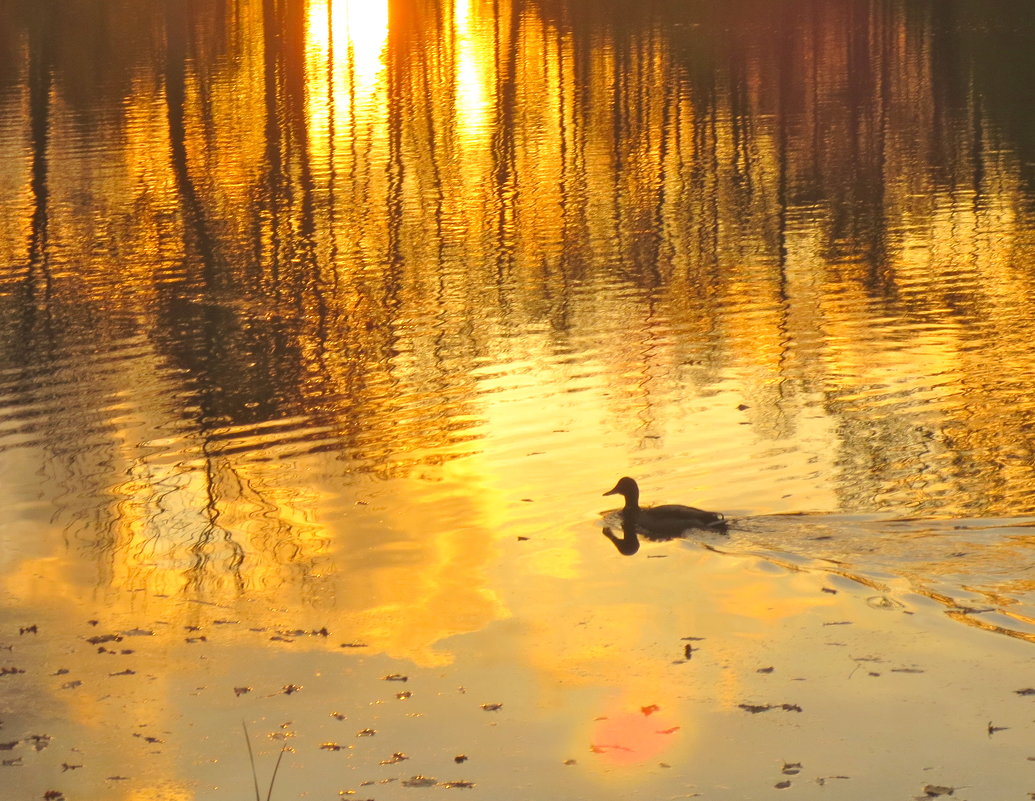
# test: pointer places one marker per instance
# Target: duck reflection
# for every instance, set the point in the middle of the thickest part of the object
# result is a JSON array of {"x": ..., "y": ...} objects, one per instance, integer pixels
[{"x": 657, "y": 523}]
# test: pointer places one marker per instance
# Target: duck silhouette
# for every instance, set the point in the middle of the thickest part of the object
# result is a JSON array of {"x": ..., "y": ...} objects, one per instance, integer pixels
[{"x": 657, "y": 522}]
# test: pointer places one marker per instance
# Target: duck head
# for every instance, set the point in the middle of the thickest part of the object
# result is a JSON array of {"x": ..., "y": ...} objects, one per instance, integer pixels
[{"x": 627, "y": 488}]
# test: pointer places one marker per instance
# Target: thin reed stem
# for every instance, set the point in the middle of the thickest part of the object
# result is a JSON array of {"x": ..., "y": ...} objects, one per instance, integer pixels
[{"x": 251, "y": 758}]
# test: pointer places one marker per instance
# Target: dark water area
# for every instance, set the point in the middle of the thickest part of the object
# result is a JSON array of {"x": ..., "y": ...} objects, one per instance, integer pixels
[{"x": 322, "y": 315}]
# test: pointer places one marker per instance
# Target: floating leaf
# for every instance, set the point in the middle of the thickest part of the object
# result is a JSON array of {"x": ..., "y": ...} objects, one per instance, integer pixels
[
  {"x": 38, "y": 741},
  {"x": 103, "y": 638},
  {"x": 419, "y": 781}
]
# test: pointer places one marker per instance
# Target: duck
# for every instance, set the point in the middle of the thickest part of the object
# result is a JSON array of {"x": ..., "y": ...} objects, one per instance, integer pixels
[{"x": 661, "y": 522}]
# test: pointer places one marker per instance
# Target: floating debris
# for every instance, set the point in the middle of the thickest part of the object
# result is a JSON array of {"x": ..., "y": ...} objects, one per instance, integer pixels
[
  {"x": 394, "y": 759},
  {"x": 339, "y": 715},
  {"x": 28, "y": 630},
  {"x": 883, "y": 602},
  {"x": 419, "y": 781},
  {"x": 9, "y": 746},
  {"x": 395, "y": 677},
  {"x": 239, "y": 691},
  {"x": 460, "y": 758},
  {"x": 457, "y": 784},
  {"x": 366, "y": 732},
  {"x": 65, "y": 766},
  {"x": 783, "y": 785},
  {"x": 126, "y": 672},
  {"x": 688, "y": 651},
  {"x": 1026, "y": 691},
  {"x": 353, "y": 645},
  {"x": 403, "y": 695},
  {"x": 650, "y": 710},
  {"x": 10, "y": 671},
  {"x": 765, "y": 670},
  {"x": 102, "y": 638},
  {"x": 668, "y": 731},
  {"x": 288, "y": 689},
  {"x": 330, "y": 747},
  {"x": 38, "y": 741},
  {"x": 754, "y": 709},
  {"x": 829, "y": 590},
  {"x": 993, "y": 729},
  {"x": 71, "y": 685},
  {"x": 791, "y": 768},
  {"x": 492, "y": 707},
  {"x": 935, "y": 790},
  {"x": 138, "y": 633},
  {"x": 53, "y": 795},
  {"x": 201, "y": 638}
]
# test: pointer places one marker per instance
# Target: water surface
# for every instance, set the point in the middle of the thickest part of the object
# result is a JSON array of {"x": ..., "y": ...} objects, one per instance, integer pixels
[{"x": 323, "y": 325}]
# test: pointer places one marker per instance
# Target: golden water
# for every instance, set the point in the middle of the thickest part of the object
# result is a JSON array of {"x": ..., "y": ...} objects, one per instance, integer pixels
[{"x": 338, "y": 314}]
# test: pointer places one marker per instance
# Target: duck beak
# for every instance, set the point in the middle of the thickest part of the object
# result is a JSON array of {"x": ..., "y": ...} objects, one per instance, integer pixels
[{"x": 612, "y": 491}]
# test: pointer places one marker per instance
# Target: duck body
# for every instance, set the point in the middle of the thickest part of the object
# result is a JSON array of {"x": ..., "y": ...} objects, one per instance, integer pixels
[{"x": 662, "y": 522}]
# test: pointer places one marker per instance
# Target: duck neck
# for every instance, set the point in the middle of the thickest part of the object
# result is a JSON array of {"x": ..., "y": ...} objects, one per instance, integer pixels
[{"x": 632, "y": 502}]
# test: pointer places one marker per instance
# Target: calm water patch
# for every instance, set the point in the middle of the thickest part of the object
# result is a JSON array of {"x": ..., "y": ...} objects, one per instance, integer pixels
[{"x": 324, "y": 325}]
